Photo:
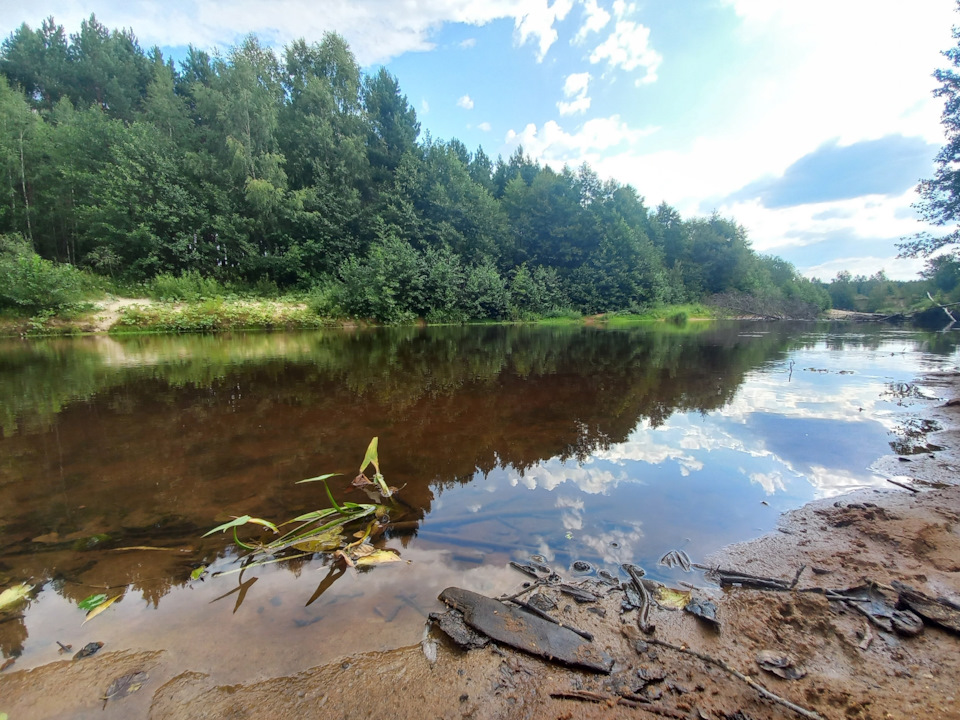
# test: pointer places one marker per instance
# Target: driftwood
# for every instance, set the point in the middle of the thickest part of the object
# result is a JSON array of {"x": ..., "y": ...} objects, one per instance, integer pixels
[
  {"x": 526, "y": 631},
  {"x": 943, "y": 612},
  {"x": 736, "y": 578},
  {"x": 944, "y": 308}
]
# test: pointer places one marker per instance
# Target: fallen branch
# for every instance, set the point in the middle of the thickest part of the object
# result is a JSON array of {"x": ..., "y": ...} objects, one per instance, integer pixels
[
  {"x": 943, "y": 307},
  {"x": 755, "y": 582},
  {"x": 900, "y": 484},
  {"x": 737, "y": 674}
]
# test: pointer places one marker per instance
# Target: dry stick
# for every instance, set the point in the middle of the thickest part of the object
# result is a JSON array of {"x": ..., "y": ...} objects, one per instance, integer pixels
[
  {"x": 905, "y": 487},
  {"x": 588, "y": 696},
  {"x": 522, "y": 591},
  {"x": 796, "y": 578},
  {"x": 752, "y": 683}
]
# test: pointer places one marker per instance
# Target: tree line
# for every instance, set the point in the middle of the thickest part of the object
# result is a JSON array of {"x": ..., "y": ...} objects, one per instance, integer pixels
[{"x": 294, "y": 169}]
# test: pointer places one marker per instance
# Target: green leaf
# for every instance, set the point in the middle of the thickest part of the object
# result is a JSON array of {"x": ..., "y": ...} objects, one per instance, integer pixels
[
  {"x": 315, "y": 515},
  {"x": 317, "y": 478},
  {"x": 240, "y": 521},
  {"x": 100, "y": 608},
  {"x": 91, "y": 601},
  {"x": 197, "y": 572},
  {"x": 13, "y": 595},
  {"x": 236, "y": 522},
  {"x": 371, "y": 457}
]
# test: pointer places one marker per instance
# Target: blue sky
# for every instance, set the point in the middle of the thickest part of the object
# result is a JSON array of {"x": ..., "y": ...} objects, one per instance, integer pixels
[{"x": 808, "y": 122}]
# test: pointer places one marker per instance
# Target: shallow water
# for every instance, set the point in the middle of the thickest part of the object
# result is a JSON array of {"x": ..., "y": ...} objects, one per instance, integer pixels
[{"x": 572, "y": 443}]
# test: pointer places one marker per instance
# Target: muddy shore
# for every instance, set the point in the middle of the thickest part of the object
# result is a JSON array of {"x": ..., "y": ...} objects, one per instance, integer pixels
[{"x": 853, "y": 669}]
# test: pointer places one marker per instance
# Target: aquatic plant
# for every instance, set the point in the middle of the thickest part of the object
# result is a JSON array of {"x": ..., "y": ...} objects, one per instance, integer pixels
[{"x": 323, "y": 530}]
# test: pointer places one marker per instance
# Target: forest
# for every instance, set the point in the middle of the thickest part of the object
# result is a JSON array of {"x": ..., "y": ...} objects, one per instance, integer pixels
[{"x": 264, "y": 172}]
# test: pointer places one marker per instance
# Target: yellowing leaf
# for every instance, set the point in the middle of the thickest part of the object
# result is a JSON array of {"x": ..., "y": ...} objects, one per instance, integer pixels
[
  {"x": 14, "y": 595},
  {"x": 672, "y": 599},
  {"x": 100, "y": 608},
  {"x": 378, "y": 557},
  {"x": 371, "y": 457},
  {"x": 363, "y": 550},
  {"x": 197, "y": 572}
]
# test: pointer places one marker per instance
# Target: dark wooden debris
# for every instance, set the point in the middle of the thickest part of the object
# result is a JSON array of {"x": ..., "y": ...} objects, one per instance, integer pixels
[
  {"x": 734, "y": 578},
  {"x": 525, "y": 631},
  {"x": 578, "y": 594},
  {"x": 451, "y": 622},
  {"x": 643, "y": 608},
  {"x": 937, "y": 610},
  {"x": 705, "y": 610},
  {"x": 88, "y": 650},
  {"x": 870, "y": 601}
]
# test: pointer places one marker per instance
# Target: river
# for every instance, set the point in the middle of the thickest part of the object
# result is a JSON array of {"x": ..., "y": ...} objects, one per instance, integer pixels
[{"x": 601, "y": 445}]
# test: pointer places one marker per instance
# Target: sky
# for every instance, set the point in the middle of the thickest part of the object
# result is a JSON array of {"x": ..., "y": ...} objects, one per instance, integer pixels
[{"x": 810, "y": 123}]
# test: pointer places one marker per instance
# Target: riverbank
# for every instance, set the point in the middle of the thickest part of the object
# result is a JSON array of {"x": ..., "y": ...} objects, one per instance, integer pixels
[
  {"x": 142, "y": 315},
  {"x": 853, "y": 669}
]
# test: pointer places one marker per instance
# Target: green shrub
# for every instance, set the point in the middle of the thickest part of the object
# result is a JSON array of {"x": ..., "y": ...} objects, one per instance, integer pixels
[
  {"x": 321, "y": 300},
  {"x": 386, "y": 285},
  {"x": 486, "y": 293},
  {"x": 28, "y": 283},
  {"x": 190, "y": 286},
  {"x": 678, "y": 318}
]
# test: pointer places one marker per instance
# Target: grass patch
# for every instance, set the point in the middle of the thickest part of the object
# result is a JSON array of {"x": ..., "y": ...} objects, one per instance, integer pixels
[
  {"x": 674, "y": 314},
  {"x": 218, "y": 314}
]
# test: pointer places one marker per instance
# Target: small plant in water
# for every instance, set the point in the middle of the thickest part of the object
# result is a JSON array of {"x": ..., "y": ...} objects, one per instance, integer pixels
[{"x": 322, "y": 531}]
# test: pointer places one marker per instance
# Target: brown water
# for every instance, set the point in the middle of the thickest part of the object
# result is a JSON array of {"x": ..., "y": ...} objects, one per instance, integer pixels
[{"x": 571, "y": 443}]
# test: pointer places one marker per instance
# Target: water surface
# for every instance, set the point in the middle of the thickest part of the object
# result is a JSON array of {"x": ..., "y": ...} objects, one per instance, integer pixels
[{"x": 572, "y": 443}]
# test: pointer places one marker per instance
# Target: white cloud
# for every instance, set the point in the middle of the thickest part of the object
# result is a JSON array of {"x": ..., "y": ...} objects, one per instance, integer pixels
[
  {"x": 485, "y": 126},
  {"x": 468, "y": 43},
  {"x": 628, "y": 47},
  {"x": 552, "y": 144},
  {"x": 859, "y": 222},
  {"x": 770, "y": 482},
  {"x": 895, "y": 268},
  {"x": 537, "y": 22},
  {"x": 596, "y": 18},
  {"x": 377, "y": 31},
  {"x": 621, "y": 8},
  {"x": 551, "y": 474},
  {"x": 424, "y": 106},
  {"x": 465, "y": 102},
  {"x": 575, "y": 88}
]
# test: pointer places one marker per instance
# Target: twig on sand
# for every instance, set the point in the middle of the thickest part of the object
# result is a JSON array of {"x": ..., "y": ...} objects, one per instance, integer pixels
[
  {"x": 587, "y": 696},
  {"x": 737, "y": 674},
  {"x": 905, "y": 487}
]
